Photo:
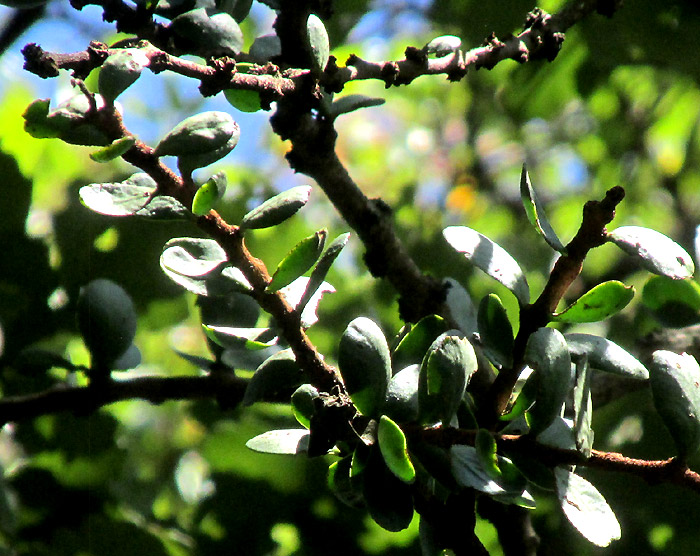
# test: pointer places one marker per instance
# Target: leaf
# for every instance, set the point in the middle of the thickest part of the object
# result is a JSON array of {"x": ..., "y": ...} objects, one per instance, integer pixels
[
  {"x": 675, "y": 386},
  {"x": 277, "y": 374},
  {"x": 491, "y": 258},
  {"x": 536, "y": 215},
  {"x": 401, "y": 403},
  {"x": 107, "y": 321},
  {"x": 199, "y": 134},
  {"x": 444, "y": 374},
  {"x": 209, "y": 193},
  {"x": 194, "y": 257},
  {"x": 416, "y": 342},
  {"x": 583, "y": 408},
  {"x": 264, "y": 48},
  {"x": 251, "y": 338},
  {"x": 119, "y": 71},
  {"x": 586, "y": 508},
  {"x": 599, "y": 303},
  {"x": 606, "y": 355},
  {"x": 342, "y": 485},
  {"x": 35, "y": 360},
  {"x": 277, "y": 209},
  {"x": 469, "y": 472},
  {"x": 300, "y": 259},
  {"x": 485, "y": 445},
  {"x": 214, "y": 35},
  {"x": 547, "y": 353},
  {"x": 294, "y": 293},
  {"x": 318, "y": 43},
  {"x": 318, "y": 274},
  {"x": 656, "y": 252},
  {"x": 244, "y": 100},
  {"x": 284, "y": 441},
  {"x": 461, "y": 307},
  {"x": 675, "y": 303},
  {"x": 389, "y": 500},
  {"x": 495, "y": 331},
  {"x": 350, "y": 103},
  {"x": 442, "y": 46},
  {"x": 130, "y": 359},
  {"x": 392, "y": 444},
  {"x": 115, "y": 199},
  {"x": 303, "y": 403},
  {"x": 365, "y": 364},
  {"x": 114, "y": 150}
]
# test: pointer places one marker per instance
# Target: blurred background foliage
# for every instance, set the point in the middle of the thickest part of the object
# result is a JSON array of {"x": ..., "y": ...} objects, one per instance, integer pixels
[{"x": 619, "y": 106}]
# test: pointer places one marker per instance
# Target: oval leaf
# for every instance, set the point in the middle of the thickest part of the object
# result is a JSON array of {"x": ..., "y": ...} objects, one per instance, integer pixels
[
  {"x": 675, "y": 303},
  {"x": 115, "y": 150},
  {"x": 442, "y": 46},
  {"x": 318, "y": 42},
  {"x": 416, "y": 342},
  {"x": 350, "y": 103},
  {"x": 491, "y": 258},
  {"x": 401, "y": 402},
  {"x": 209, "y": 193},
  {"x": 586, "y": 508},
  {"x": 278, "y": 373},
  {"x": 214, "y": 35},
  {"x": 303, "y": 403},
  {"x": 199, "y": 134},
  {"x": 233, "y": 337},
  {"x": 285, "y": 441},
  {"x": 495, "y": 331},
  {"x": 119, "y": 71},
  {"x": 444, "y": 374},
  {"x": 278, "y": 208},
  {"x": 318, "y": 275},
  {"x": 392, "y": 444},
  {"x": 547, "y": 353},
  {"x": 535, "y": 213},
  {"x": 115, "y": 199},
  {"x": 191, "y": 256},
  {"x": 675, "y": 386},
  {"x": 300, "y": 259},
  {"x": 243, "y": 99},
  {"x": 365, "y": 364},
  {"x": 605, "y": 355},
  {"x": 657, "y": 253},
  {"x": 462, "y": 309},
  {"x": 389, "y": 500},
  {"x": 599, "y": 303}
]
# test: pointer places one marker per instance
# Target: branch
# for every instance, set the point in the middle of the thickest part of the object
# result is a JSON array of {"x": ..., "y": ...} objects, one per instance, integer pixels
[{"x": 591, "y": 234}]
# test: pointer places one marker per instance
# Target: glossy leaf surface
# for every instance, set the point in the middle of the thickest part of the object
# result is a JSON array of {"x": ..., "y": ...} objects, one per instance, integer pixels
[
  {"x": 536, "y": 215},
  {"x": 599, "y": 303},
  {"x": 277, "y": 209},
  {"x": 605, "y": 355}
]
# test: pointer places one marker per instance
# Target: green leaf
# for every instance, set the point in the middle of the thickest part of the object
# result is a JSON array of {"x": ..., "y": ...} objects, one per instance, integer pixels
[
  {"x": 277, "y": 209},
  {"x": 284, "y": 441},
  {"x": 191, "y": 256},
  {"x": 491, "y": 258},
  {"x": 294, "y": 292},
  {"x": 318, "y": 42},
  {"x": 599, "y": 303},
  {"x": 586, "y": 508},
  {"x": 163, "y": 208},
  {"x": 343, "y": 485},
  {"x": 264, "y": 48},
  {"x": 318, "y": 274},
  {"x": 675, "y": 386},
  {"x": 233, "y": 337},
  {"x": 401, "y": 402},
  {"x": 130, "y": 359},
  {"x": 605, "y": 355},
  {"x": 36, "y": 121},
  {"x": 656, "y": 252},
  {"x": 392, "y": 444},
  {"x": 243, "y": 99},
  {"x": 583, "y": 408},
  {"x": 547, "y": 353},
  {"x": 115, "y": 199},
  {"x": 114, "y": 150},
  {"x": 536, "y": 215},
  {"x": 495, "y": 331},
  {"x": 559, "y": 434},
  {"x": 35, "y": 360},
  {"x": 416, "y": 342},
  {"x": 277, "y": 374},
  {"x": 300, "y": 259},
  {"x": 214, "y": 35},
  {"x": 365, "y": 364},
  {"x": 444, "y": 374},
  {"x": 199, "y": 134},
  {"x": 389, "y": 500},
  {"x": 485, "y": 445},
  {"x": 675, "y": 303},
  {"x": 107, "y": 321},
  {"x": 462, "y": 309},
  {"x": 350, "y": 103},
  {"x": 469, "y": 472},
  {"x": 303, "y": 403},
  {"x": 211, "y": 191},
  {"x": 119, "y": 71},
  {"x": 442, "y": 46}
]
